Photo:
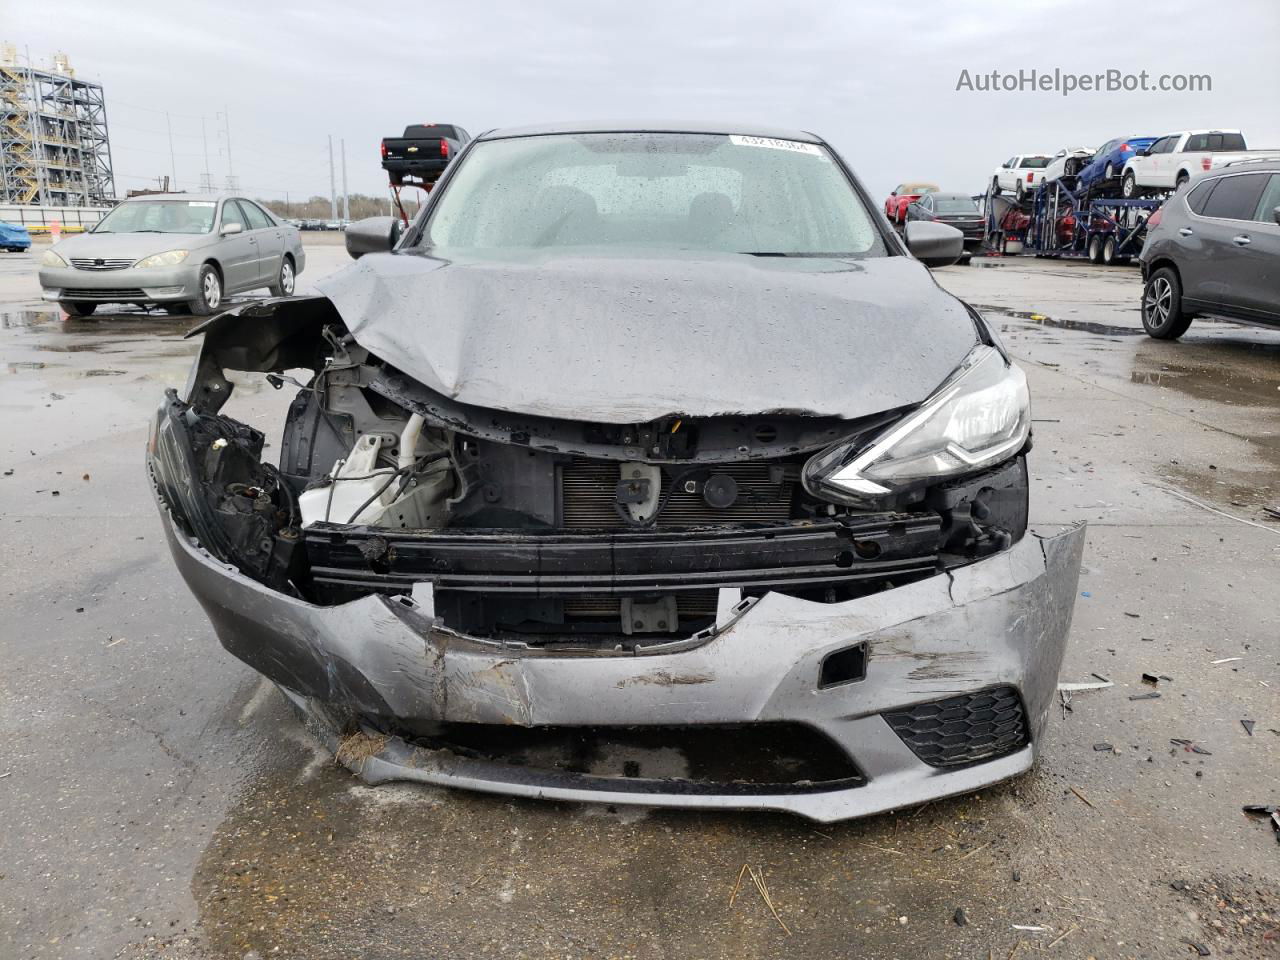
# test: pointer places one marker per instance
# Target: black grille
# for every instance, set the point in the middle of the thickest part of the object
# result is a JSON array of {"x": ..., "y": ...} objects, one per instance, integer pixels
[
  {"x": 589, "y": 490},
  {"x": 699, "y": 603},
  {"x": 962, "y": 730},
  {"x": 116, "y": 295}
]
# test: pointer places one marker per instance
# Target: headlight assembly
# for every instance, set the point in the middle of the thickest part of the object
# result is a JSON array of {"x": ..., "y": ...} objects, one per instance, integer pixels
[
  {"x": 170, "y": 258},
  {"x": 979, "y": 417},
  {"x": 51, "y": 259}
]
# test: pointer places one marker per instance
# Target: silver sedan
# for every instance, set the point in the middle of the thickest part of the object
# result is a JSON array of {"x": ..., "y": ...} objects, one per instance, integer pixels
[{"x": 186, "y": 252}]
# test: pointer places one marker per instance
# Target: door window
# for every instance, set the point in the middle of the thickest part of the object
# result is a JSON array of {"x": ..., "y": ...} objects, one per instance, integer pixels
[
  {"x": 231, "y": 214},
  {"x": 1236, "y": 198},
  {"x": 1265, "y": 212},
  {"x": 1200, "y": 196},
  {"x": 254, "y": 215}
]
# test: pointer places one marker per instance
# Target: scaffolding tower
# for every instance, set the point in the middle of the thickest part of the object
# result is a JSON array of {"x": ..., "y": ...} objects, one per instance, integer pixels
[{"x": 54, "y": 145}]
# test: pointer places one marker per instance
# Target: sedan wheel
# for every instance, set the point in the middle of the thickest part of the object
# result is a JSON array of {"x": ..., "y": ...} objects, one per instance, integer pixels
[
  {"x": 210, "y": 287},
  {"x": 285, "y": 282},
  {"x": 1111, "y": 172}
]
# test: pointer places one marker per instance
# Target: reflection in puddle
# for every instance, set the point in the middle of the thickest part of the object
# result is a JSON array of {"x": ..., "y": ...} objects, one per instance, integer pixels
[
  {"x": 1086, "y": 326},
  {"x": 12, "y": 319}
]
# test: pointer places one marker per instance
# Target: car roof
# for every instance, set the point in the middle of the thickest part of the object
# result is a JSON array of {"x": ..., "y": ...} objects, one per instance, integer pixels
[
  {"x": 651, "y": 126},
  {"x": 1178, "y": 133},
  {"x": 1265, "y": 164},
  {"x": 198, "y": 197}
]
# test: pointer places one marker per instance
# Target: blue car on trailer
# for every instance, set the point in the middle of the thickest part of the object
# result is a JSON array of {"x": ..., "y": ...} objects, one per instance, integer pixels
[
  {"x": 14, "y": 237},
  {"x": 1108, "y": 163}
]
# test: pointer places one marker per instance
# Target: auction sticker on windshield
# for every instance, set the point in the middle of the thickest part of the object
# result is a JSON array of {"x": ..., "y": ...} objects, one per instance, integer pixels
[{"x": 794, "y": 146}]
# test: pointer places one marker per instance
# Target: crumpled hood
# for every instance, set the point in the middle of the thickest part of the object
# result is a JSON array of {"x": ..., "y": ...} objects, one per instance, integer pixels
[{"x": 628, "y": 340}]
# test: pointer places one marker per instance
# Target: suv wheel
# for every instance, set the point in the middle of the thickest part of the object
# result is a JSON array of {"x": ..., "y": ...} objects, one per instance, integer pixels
[
  {"x": 77, "y": 308},
  {"x": 210, "y": 287},
  {"x": 1129, "y": 187},
  {"x": 285, "y": 281},
  {"x": 1181, "y": 181},
  {"x": 1162, "y": 314}
]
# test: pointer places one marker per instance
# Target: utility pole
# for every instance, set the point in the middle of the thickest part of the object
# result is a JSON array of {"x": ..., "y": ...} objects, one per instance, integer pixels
[
  {"x": 346, "y": 197},
  {"x": 333, "y": 190},
  {"x": 173, "y": 164},
  {"x": 206, "y": 178},
  {"x": 232, "y": 185}
]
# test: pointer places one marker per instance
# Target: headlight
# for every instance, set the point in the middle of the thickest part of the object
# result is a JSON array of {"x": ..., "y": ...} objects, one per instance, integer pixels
[
  {"x": 51, "y": 259},
  {"x": 170, "y": 258},
  {"x": 979, "y": 417}
]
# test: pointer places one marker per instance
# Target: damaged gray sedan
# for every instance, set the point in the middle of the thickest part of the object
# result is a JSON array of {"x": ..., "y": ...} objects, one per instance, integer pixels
[{"x": 646, "y": 466}]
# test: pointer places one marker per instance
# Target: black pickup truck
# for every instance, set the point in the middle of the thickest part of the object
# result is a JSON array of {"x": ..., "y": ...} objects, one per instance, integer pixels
[{"x": 423, "y": 152}]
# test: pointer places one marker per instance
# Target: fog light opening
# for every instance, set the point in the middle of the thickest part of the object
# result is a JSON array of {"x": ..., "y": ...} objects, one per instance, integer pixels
[{"x": 843, "y": 666}]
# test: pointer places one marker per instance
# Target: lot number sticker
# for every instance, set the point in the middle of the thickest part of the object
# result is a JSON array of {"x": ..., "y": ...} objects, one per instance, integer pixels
[{"x": 792, "y": 146}]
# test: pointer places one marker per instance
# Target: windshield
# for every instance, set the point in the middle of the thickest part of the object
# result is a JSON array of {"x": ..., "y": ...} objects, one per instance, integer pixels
[
  {"x": 699, "y": 192},
  {"x": 159, "y": 216},
  {"x": 920, "y": 188},
  {"x": 961, "y": 205}
]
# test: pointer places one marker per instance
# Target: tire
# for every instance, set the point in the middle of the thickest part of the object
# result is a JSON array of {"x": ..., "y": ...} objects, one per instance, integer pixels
[
  {"x": 1109, "y": 250},
  {"x": 286, "y": 280},
  {"x": 1095, "y": 248},
  {"x": 77, "y": 308},
  {"x": 1162, "y": 314},
  {"x": 1129, "y": 186},
  {"x": 995, "y": 186},
  {"x": 210, "y": 286},
  {"x": 1110, "y": 173},
  {"x": 1019, "y": 191},
  {"x": 1180, "y": 182}
]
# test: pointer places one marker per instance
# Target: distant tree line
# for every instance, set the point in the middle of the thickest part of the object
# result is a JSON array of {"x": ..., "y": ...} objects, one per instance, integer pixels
[{"x": 317, "y": 208}]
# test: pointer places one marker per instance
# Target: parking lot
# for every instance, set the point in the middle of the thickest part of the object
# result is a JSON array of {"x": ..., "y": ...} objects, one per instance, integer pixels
[{"x": 160, "y": 799}]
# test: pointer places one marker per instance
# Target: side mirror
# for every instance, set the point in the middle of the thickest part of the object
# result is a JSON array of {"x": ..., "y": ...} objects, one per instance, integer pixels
[
  {"x": 372, "y": 235},
  {"x": 934, "y": 244},
  {"x": 1143, "y": 152},
  {"x": 229, "y": 228}
]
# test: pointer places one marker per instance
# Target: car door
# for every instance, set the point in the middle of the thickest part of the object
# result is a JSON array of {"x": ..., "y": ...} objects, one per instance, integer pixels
[
  {"x": 1166, "y": 162},
  {"x": 270, "y": 237},
  {"x": 1225, "y": 229},
  {"x": 1257, "y": 278},
  {"x": 237, "y": 252},
  {"x": 1145, "y": 167},
  {"x": 1008, "y": 173}
]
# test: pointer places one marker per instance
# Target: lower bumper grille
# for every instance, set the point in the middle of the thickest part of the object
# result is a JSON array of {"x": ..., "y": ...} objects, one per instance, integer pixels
[
  {"x": 94, "y": 293},
  {"x": 962, "y": 730}
]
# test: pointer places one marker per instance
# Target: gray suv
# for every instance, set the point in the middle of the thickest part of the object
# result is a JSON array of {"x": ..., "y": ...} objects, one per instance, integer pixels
[
  {"x": 185, "y": 252},
  {"x": 1214, "y": 249}
]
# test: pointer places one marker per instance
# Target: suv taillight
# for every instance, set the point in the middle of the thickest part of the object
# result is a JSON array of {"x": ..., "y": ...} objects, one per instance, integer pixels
[{"x": 1154, "y": 220}]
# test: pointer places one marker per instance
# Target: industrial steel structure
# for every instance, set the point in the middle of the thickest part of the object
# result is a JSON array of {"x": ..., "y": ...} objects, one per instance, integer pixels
[{"x": 54, "y": 145}]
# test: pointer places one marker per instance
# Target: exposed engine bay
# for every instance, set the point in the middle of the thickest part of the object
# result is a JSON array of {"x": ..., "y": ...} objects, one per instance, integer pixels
[{"x": 530, "y": 529}]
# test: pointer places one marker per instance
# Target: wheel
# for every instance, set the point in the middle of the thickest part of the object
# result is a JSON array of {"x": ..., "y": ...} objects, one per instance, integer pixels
[
  {"x": 1111, "y": 172},
  {"x": 283, "y": 287},
  {"x": 1095, "y": 248},
  {"x": 1129, "y": 187},
  {"x": 1181, "y": 181},
  {"x": 77, "y": 308},
  {"x": 210, "y": 286},
  {"x": 1019, "y": 191},
  {"x": 995, "y": 186},
  {"x": 1162, "y": 315},
  {"x": 1109, "y": 250}
]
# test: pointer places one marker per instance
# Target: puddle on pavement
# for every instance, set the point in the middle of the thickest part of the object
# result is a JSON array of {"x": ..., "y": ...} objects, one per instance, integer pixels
[{"x": 1085, "y": 326}]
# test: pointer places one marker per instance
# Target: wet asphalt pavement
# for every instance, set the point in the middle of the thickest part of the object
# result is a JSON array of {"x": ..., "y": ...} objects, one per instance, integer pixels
[{"x": 158, "y": 800}]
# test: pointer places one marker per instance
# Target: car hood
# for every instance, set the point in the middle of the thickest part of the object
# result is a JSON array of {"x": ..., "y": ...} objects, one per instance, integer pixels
[
  {"x": 628, "y": 340},
  {"x": 121, "y": 245}
]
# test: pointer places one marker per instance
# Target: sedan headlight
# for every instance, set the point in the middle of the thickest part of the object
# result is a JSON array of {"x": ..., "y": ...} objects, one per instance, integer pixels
[
  {"x": 51, "y": 259},
  {"x": 170, "y": 258},
  {"x": 979, "y": 417}
]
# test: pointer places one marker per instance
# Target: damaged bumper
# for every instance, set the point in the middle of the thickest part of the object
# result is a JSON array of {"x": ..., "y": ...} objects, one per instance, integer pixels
[{"x": 938, "y": 687}]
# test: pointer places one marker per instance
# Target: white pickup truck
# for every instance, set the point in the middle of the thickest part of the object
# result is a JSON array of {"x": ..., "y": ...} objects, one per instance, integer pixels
[{"x": 1177, "y": 157}]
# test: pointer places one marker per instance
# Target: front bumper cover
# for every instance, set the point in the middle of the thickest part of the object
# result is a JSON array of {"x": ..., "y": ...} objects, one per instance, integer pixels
[
  {"x": 1001, "y": 621},
  {"x": 129, "y": 285}
]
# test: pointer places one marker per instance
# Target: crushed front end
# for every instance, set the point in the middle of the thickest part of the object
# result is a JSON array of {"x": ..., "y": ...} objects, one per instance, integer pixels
[{"x": 694, "y": 611}]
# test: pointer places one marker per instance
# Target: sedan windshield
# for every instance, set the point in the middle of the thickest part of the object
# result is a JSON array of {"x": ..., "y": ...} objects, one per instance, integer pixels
[
  {"x": 698, "y": 192},
  {"x": 159, "y": 216}
]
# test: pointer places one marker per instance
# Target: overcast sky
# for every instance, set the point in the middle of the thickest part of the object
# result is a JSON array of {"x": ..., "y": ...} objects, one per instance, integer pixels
[{"x": 878, "y": 80}]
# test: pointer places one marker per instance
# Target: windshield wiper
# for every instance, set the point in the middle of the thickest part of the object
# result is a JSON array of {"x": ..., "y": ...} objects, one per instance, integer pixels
[{"x": 780, "y": 253}]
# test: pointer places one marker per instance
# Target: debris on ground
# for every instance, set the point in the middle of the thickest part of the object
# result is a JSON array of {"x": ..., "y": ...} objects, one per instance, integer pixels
[
  {"x": 1150, "y": 678},
  {"x": 360, "y": 747},
  {"x": 1264, "y": 809},
  {"x": 1248, "y": 726},
  {"x": 1214, "y": 663},
  {"x": 1190, "y": 746},
  {"x": 1076, "y": 687},
  {"x": 1145, "y": 696},
  {"x": 1199, "y": 948},
  {"x": 959, "y": 918},
  {"x": 1086, "y": 800},
  {"x": 1103, "y": 747},
  {"x": 757, "y": 878}
]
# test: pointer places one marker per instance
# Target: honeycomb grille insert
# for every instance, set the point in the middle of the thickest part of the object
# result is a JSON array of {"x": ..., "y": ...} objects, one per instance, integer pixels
[{"x": 958, "y": 731}]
